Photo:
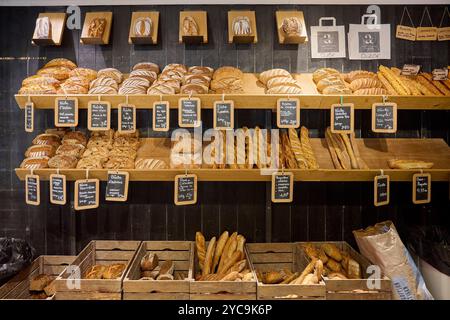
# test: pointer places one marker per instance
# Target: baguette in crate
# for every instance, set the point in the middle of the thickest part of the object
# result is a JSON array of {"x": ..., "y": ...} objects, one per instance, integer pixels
[
  {"x": 160, "y": 271},
  {"x": 222, "y": 269},
  {"x": 346, "y": 272},
  {"x": 37, "y": 280},
  {"x": 97, "y": 272},
  {"x": 284, "y": 273}
]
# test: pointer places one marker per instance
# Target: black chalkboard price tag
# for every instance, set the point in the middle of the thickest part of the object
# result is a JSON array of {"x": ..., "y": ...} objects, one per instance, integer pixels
[
  {"x": 99, "y": 115},
  {"x": 66, "y": 112},
  {"x": 342, "y": 118},
  {"x": 126, "y": 118},
  {"x": 185, "y": 189},
  {"x": 421, "y": 188},
  {"x": 282, "y": 187},
  {"x": 288, "y": 113},
  {"x": 117, "y": 186},
  {"x": 58, "y": 189},
  {"x": 224, "y": 115},
  {"x": 384, "y": 117},
  {"x": 29, "y": 117},
  {"x": 161, "y": 116},
  {"x": 86, "y": 194},
  {"x": 381, "y": 190},
  {"x": 189, "y": 112},
  {"x": 32, "y": 190}
]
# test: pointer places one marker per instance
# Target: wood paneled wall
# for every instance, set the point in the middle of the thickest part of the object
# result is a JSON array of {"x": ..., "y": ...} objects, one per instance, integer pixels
[{"x": 321, "y": 211}]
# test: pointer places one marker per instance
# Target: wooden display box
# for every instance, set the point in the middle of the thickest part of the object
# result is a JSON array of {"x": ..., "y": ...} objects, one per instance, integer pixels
[
  {"x": 104, "y": 39},
  {"x": 180, "y": 252},
  {"x": 97, "y": 252},
  {"x": 250, "y": 38},
  {"x": 153, "y": 38},
  {"x": 275, "y": 257},
  {"x": 282, "y": 37},
  {"x": 58, "y": 24},
  {"x": 202, "y": 23},
  {"x": 18, "y": 286},
  {"x": 222, "y": 290},
  {"x": 353, "y": 289}
]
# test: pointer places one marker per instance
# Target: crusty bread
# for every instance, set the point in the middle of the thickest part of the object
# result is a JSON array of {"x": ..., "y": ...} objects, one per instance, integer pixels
[
  {"x": 265, "y": 76},
  {"x": 321, "y": 73}
]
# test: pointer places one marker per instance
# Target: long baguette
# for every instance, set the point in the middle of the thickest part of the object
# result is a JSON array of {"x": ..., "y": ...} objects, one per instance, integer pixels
[
  {"x": 348, "y": 146},
  {"x": 209, "y": 256},
  {"x": 219, "y": 249},
  {"x": 291, "y": 163},
  {"x": 230, "y": 246},
  {"x": 309, "y": 268},
  {"x": 407, "y": 82},
  {"x": 394, "y": 81},
  {"x": 201, "y": 248},
  {"x": 296, "y": 147},
  {"x": 361, "y": 163},
  {"x": 390, "y": 89},
  {"x": 307, "y": 149},
  {"x": 340, "y": 150},
  {"x": 332, "y": 150},
  {"x": 230, "y": 262}
]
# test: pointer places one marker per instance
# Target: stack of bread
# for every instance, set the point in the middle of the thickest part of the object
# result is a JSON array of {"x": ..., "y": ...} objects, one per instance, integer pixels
[
  {"x": 42, "y": 286},
  {"x": 344, "y": 151},
  {"x": 337, "y": 264},
  {"x": 140, "y": 78},
  {"x": 197, "y": 80},
  {"x": 109, "y": 272},
  {"x": 279, "y": 81},
  {"x": 365, "y": 83},
  {"x": 312, "y": 274},
  {"x": 70, "y": 151},
  {"x": 169, "y": 81},
  {"x": 186, "y": 153},
  {"x": 300, "y": 150},
  {"x": 223, "y": 259},
  {"x": 330, "y": 81},
  {"x": 227, "y": 80},
  {"x": 106, "y": 82},
  {"x": 48, "y": 79},
  {"x": 423, "y": 84},
  {"x": 78, "y": 81},
  {"x": 154, "y": 269},
  {"x": 110, "y": 150}
]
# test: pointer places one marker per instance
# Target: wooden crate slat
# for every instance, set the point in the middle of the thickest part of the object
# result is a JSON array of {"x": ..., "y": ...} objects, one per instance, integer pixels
[
  {"x": 168, "y": 245},
  {"x": 68, "y": 295},
  {"x": 272, "y": 257},
  {"x": 114, "y": 245},
  {"x": 221, "y": 296},
  {"x": 155, "y": 296},
  {"x": 382, "y": 295},
  {"x": 269, "y": 247},
  {"x": 272, "y": 266},
  {"x": 114, "y": 255}
]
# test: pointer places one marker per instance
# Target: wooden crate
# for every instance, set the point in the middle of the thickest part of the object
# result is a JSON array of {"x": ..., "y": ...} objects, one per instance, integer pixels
[
  {"x": 180, "y": 252},
  {"x": 274, "y": 257},
  {"x": 97, "y": 252},
  {"x": 222, "y": 290},
  {"x": 18, "y": 286},
  {"x": 354, "y": 289}
]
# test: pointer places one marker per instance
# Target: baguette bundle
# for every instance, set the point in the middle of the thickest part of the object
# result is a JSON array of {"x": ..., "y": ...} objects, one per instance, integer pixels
[
  {"x": 301, "y": 147},
  {"x": 337, "y": 264},
  {"x": 344, "y": 151},
  {"x": 223, "y": 260},
  {"x": 311, "y": 275}
]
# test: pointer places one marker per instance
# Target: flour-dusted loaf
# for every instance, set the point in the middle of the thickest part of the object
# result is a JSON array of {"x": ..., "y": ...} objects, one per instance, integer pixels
[
  {"x": 40, "y": 151},
  {"x": 143, "y": 27},
  {"x": 111, "y": 73},
  {"x": 190, "y": 26},
  {"x": 242, "y": 26},
  {"x": 43, "y": 28},
  {"x": 84, "y": 72},
  {"x": 321, "y": 73},
  {"x": 265, "y": 76},
  {"x": 61, "y": 62},
  {"x": 62, "y": 161}
]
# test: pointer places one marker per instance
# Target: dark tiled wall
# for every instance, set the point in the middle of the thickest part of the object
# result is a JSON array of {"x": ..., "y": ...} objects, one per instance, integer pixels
[{"x": 320, "y": 210}]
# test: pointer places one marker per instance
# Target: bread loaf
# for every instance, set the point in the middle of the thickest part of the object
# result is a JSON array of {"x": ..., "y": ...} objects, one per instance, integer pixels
[
  {"x": 201, "y": 248},
  {"x": 371, "y": 91},
  {"x": 359, "y": 74},
  {"x": 265, "y": 76},
  {"x": 321, "y": 73},
  {"x": 297, "y": 149},
  {"x": 61, "y": 161},
  {"x": 409, "y": 164},
  {"x": 60, "y": 62},
  {"x": 227, "y": 72},
  {"x": 209, "y": 257},
  {"x": 339, "y": 89},
  {"x": 111, "y": 73},
  {"x": 84, "y": 72},
  {"x": 307, "y": 150},
  {"x": 219, "y": 249},
  {"x": 329, "y": 81},
  {"x": 149, "y": 261},
  {"x": 114, "y": 271},
  {"x": 37, "y": 151},
  {"x": 365, "y": 83}
]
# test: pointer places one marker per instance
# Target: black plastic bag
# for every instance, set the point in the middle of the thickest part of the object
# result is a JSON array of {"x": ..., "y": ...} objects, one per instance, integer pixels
[
  {"x": 15, "y": 254},
  {"x": 432, "y": 244}
]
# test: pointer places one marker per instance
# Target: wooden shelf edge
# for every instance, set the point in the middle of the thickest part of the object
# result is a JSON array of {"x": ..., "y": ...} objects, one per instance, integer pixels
[
  {"x": 246, "y": 101},
  {"x": 242, "y": 175}
]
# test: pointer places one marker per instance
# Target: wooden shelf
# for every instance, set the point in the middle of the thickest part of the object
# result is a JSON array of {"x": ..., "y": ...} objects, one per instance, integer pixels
[
  {"x": 375, "y": 152},
  {"x": 254, "y": 98}
]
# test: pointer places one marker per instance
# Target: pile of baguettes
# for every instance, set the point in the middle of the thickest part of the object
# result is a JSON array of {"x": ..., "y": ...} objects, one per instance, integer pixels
[
  {"x": 223, "y": 259},
  {"x": 294, "y": 150},
  {"x": 344, "y": 151},
  {"x": 387, "y": 81}
]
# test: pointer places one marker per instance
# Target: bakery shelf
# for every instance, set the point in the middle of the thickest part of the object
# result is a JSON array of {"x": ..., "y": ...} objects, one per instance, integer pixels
[
  {"x": 375, "y": 152},
  {"x": 254, "y": 98}
]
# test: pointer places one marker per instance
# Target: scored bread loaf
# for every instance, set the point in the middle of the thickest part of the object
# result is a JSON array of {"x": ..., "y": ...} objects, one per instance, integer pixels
[
  {"x": 201, "y": 248},
  {"x": 365, "y": 83},
  {"x": 371, "y": 91},
  {"x": 275, "y": 82},
  {"x": 442, "y": 88},
  {"x": 265, "y": 76},
  {"x": 386, "y": 84},
  {"x": 329, "y": 81},
  {"x": 297, "y": 149},
  {"x": 409, "y": 164},
  {"x": 339, "y": 89},
  {"x": 307, "y": 149},
  {"x": 321, "y": 73},
  {"x": 209, "y": 256},
  {"x": 219, "y": 249},
  {"x": 359, "y": 74}
]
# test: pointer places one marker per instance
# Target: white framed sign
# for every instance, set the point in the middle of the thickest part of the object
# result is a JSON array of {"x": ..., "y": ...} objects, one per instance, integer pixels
[
  {"x": 369, "y": 41},
  {"x": 327, "y": 41}
]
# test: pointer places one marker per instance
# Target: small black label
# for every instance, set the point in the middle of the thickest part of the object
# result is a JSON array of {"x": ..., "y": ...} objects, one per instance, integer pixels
[
  {"x": 116, "y": 185},
  {"x": 282, "y": 187},
  {"x": 288, "y": 113},
  {"x": 32, "y": 194},
  {"x": 66, "y": 111},
  {"x": 99, "y": 115},
  {"x": 186, "y": 189},
  {"x": 160, "y": 111},
  {"x": 87, "y": 194},
  {"x": 422, "y": 187},
  {"x": 127, "y": 121},
  {"x": 223, "y": 115},
  {"x": 384, "y": 117},
  {"x": 382, "y": 190},
  {"x": 189, "y": 112},
  {"x": 29, "y": 117},
  {"x": 57, "y": 189},
  {"x": 342, "y": 118}
]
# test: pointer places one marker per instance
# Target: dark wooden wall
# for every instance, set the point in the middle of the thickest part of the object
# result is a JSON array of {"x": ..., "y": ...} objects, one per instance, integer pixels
[{"x": 321, "y": 211}]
